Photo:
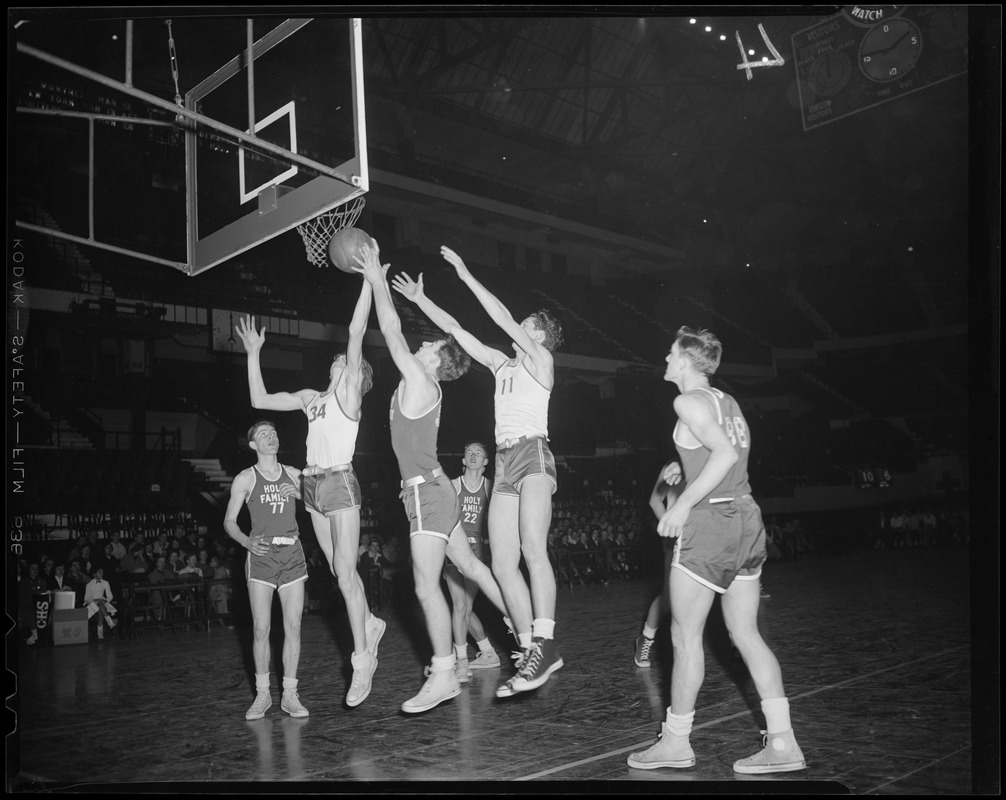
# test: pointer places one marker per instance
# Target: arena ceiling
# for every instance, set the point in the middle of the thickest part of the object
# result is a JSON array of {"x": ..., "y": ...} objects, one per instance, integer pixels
[{"x": 645, "y": 126}]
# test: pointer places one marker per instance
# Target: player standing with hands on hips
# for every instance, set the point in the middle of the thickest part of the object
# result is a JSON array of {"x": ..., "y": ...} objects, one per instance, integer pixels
[
  {"x": 520, "y": 511},
  {"x": 720, "y": 550}
]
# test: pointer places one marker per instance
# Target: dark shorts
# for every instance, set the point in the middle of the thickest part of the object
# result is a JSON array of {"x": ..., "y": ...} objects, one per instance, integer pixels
[
  {"x": 282, "y": 566},
  {"x": 432, "y": 508},
  {"x": 721, "y": 543},
  {"x": 475, "y": 542},
  {"x": 330, "y": 493},
  {"x": 527, "y": 459}
]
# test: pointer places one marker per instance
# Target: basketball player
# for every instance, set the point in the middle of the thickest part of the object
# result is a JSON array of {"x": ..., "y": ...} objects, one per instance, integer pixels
[
  {"x": 430, "y": 501},
  {"x": 520, "y": 512},
  {"x": 275, "y": 562},
  {"x": 473, "y": 490},
  {"x": 720, "y": 550},
  {"x": 660, "y": 499},
  {"x": 330, "y": 486}
]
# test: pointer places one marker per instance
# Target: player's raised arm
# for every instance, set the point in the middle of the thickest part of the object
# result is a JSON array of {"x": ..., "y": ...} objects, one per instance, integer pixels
[
  {"x": 387, "y": 317},
  {"x": 253, "y": 339},
  {"x": 498, "y": 312},
  {"x": 353, "y": 375},
  {"x": 415, "y": 291}
]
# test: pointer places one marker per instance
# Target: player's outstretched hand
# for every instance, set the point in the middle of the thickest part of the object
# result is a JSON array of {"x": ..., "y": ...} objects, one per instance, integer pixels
[
  {"x": 370, "y": 267},
  {"x": 251, "y": 338},
  {"x": 408, "y": 288},
  {"x": 455, "y": 260}
]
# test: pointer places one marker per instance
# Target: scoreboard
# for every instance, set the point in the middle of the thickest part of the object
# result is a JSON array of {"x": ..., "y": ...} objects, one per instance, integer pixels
[
  {"x": 868, "y": 55},
  {"x": 873, "y": 478}
]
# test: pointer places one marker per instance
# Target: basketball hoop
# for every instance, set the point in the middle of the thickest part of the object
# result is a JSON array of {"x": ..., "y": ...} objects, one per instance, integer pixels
[{"x": 318, "y": 232}]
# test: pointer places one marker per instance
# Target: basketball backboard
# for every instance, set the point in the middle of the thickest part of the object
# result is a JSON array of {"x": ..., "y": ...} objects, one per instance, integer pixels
[{"x": 237, "y": 130}]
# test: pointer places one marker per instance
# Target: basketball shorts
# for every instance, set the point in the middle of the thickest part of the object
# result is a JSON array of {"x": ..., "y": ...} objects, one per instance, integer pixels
[
  {"x": 475, "y": 542},
  {"x": 722, "y": 542},
  {"x": 432, "y": 508},
  {"x": 330, "y": 493},
  {"x": 526, "y": 459},
  {"x": 282, "y": 566}
]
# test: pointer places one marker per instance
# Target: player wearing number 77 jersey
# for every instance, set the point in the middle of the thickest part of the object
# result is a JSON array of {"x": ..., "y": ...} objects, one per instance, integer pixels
[{"x": 720, "y": 550}]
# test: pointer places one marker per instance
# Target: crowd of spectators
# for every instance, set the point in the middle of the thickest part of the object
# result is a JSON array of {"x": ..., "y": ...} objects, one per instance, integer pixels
[{"x": 594, "y": 540}]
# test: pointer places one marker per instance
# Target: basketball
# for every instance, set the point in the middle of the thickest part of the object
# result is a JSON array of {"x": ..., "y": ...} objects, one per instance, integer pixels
[{"x": 345, "y": 245}]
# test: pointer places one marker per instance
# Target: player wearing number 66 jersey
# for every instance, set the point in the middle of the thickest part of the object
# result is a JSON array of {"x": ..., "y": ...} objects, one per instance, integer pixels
[{"x": 720, "y": 550}]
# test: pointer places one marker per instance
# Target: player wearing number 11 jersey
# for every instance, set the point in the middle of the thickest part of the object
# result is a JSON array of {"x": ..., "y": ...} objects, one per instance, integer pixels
[{"x": 720, "y": 550}]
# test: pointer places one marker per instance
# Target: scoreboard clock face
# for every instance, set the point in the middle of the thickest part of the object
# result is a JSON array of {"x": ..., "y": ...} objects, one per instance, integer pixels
[
  {"x": 889, "y": 50},
  {"x": 830, "y": 73}
]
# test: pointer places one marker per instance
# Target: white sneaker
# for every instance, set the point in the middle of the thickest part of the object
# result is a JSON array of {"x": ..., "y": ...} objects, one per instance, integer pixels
[
  {"x": 375, "y": 631},
  {"x": 486, "y": 659},
  {"x": 291, "y": 704},
  {"x": 263, "y": 702},
  {"x": 440, "y": 686},
  {"x": 670, "y": 751},
  {"x": 780, "y": 753},
  {"x": 364, "y": 666}
]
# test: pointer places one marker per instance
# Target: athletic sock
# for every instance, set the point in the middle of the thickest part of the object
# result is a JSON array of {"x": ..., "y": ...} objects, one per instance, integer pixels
[
  {"x": 290, "y": 684},
  {"x": 525, "y": 640},
  {"x": 680, "y": 724},
  {"x": 443, "y": 663},
  {"x": 484, "y": 646},
  {"x": 543, "y": 628},
  {"x": 262, "y": 682},
  {"x": 649, "y": 633},
  {"x": 776, "y": 711},
  {"x": 461, "y": 652}
]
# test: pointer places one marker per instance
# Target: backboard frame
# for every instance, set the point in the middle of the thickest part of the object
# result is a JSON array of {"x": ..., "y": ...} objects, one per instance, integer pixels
[
  {"x": 276, "y": 213},
  {"x": 333, "y": 186}
]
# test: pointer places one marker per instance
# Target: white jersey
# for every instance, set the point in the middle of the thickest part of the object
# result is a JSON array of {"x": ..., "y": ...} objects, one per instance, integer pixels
[
  {"x": 331, "y": 435},
  {"x": 521, "y": 403}
]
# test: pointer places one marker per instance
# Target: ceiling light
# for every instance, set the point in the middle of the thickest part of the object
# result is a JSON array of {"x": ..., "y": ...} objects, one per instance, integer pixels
[
  {"x": 708, "y": 29},
  {"x": 692, "y": 21},
  {"x": 723, "y": 37}
]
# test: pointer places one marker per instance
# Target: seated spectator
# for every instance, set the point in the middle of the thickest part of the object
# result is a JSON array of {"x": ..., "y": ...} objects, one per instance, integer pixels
[
  {"x": 87, "y": 561},
  {"x": 77, "y": 579},
  {"x": 174, "y": 562},
  {"x": 203, "y": 564},
  {"x": 133, "y": 565},
  {"x": 190, "y": 570},
  {"x": 118, "y": 548},
  {"x": 220, "y": 593},
  {"x": 160, "y": 574},
  {"x": 59, "y": 583},
  {"x": 98, "y": 602},
  {"x": 48, "y": 567}
]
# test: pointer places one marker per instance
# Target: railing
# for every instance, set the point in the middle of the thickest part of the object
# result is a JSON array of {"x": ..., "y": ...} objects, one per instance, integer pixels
[
  {"x": 595, "y": 565},
  {"x": 175, "y": 604}
]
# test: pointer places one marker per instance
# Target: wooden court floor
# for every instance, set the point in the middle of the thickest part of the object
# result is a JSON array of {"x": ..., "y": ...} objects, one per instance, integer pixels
[{"x": 875, "y": 646}]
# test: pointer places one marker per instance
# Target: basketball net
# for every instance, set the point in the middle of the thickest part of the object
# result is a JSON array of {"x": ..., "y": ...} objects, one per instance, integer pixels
[{"x": 318, "y": 232}]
